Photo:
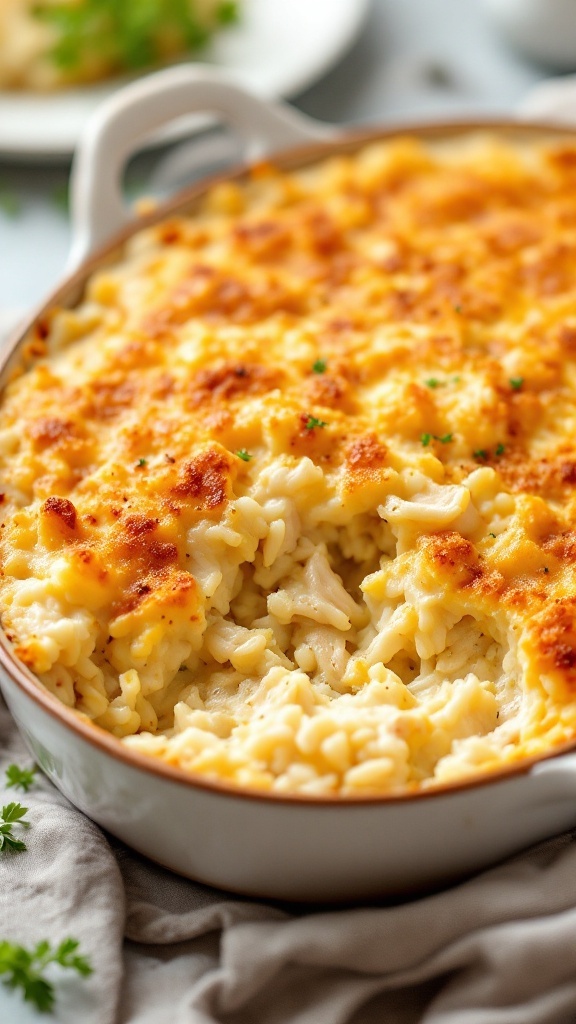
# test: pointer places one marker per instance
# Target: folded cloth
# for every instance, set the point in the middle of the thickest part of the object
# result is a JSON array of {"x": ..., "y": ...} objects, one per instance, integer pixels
[{"x": 498, "y": 949}]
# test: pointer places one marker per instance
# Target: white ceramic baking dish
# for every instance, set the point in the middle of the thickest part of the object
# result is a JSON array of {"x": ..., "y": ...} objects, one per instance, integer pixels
[{"x": 283, "y": 847}]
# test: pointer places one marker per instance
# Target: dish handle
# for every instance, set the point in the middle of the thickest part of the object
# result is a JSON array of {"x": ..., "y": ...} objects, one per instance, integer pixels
[
  {"x": 557, "y": 777},
  {"x": 123, "y": 122}
]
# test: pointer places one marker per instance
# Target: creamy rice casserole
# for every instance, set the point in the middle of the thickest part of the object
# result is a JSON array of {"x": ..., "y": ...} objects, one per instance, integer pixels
[{"x": 288, "y": 500}]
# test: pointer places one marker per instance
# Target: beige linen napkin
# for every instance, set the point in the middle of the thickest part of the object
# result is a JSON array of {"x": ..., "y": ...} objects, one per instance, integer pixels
[{"x": 499, "y": 949}]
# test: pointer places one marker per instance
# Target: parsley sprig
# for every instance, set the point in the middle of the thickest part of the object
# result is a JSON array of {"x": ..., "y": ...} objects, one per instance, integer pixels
[
  {"x": 22, "y": 777},
  {"x": 12, "y": 815},
  {"x": 23, "y": 968},
  {"x": 319, "y": 366},
  {"x": 244, "y": 455},
  {"x": 127, "y": 35}
]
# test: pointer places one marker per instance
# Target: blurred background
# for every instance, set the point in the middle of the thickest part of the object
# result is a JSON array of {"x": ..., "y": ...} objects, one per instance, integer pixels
[{"x": 359, "y": 61}]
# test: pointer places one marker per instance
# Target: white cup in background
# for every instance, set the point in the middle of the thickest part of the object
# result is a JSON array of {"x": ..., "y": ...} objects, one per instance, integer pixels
[{"x": 542, "y": 29}]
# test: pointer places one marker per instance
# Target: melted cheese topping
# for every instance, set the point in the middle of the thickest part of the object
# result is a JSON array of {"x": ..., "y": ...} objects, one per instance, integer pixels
[{"x": 288, "y": 499}]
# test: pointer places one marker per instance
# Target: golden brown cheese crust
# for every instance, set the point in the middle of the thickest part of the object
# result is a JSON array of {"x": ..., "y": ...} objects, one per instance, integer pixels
[{"x": 399, "y": 310}]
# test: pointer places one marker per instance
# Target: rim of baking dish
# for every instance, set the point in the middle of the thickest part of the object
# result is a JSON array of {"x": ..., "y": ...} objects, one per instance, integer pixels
[{"x": 69, "y": 293}]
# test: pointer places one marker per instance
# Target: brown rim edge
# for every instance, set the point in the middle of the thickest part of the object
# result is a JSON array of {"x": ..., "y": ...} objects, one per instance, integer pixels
[{"x": 70, "y": 291}]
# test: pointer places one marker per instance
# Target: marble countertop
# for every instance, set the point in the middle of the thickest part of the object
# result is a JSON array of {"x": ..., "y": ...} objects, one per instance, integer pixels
[{"x": 414, "y": 59}]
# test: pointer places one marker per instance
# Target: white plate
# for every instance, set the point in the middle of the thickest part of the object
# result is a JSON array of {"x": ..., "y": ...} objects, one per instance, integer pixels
[{"x": 279, "y": 48}]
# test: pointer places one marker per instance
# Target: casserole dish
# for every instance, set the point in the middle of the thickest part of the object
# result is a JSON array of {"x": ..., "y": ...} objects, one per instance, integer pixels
[{"x": 285, "y": 846}]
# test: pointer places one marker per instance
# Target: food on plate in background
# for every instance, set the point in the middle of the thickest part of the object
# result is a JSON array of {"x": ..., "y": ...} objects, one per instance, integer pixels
[{"x": 49, "y": 44}]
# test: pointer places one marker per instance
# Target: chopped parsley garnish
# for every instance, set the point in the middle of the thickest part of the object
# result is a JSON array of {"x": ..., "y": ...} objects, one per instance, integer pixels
[
  {"x": 457, "y": 309},
  {"x": 23, "y": 777},
  {"x": 244, "y": 455},
  {"x": 492, "y": 535},
  {"x": 23, "y": 969},
  {"x": 426, "y": 438},
  {"x": 516, "y": 383},
  {"x": 319, "y": 366},
  {"x": 434, "y": 382},
  {"x": 12, "y": 814},
  {"x": 141, "y": 463},
  {"x": 312, "y": 422},
  {"x": 483, "y": 453}
]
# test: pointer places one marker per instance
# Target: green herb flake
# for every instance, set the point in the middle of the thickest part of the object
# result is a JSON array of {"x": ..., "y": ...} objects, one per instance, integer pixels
[
  {"x": 319, "y": 366},
  {"x": 244, "y": 455},
  {"x": 480, "y": 453},
  {"x": 516, "y": 383},
  {"x": 492, "y": 535},
  {"x": 500, "y": 449},
  {"x": 458, "y": 309},
  {"x": 141, "y": 463},
  {"x": 23, "y": 777},
  {"x": 435, "y": 382},
  {"x": 311, "y": 423},
  {"x": 442, "y": 438},
  {"x": 12, "y": 815},
  {"x": 24, "y": 968}
]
